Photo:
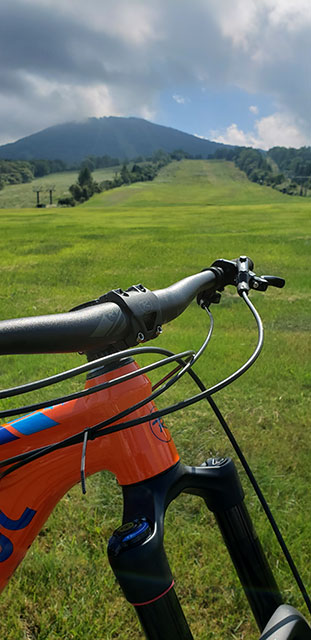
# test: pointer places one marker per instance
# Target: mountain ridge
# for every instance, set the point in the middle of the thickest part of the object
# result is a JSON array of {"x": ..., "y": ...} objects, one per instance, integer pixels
[{"x": 123, "y": 138}]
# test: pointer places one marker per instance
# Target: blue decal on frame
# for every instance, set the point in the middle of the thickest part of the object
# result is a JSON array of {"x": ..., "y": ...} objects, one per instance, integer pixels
[
  {"x": 159, "y": 430},
  {"x": 6, "y": 436},
  {"x": 6, "y": 548},
  {"x": 33, "y": 423},
  {"x": 20, "y": 523}
]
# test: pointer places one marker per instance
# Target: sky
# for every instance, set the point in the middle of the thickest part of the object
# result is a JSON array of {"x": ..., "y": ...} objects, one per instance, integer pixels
[{"x": 233, "y": 71}]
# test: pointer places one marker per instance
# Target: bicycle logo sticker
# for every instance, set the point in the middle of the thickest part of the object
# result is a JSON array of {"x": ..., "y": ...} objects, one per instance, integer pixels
[{"x": 159, "y": 430}]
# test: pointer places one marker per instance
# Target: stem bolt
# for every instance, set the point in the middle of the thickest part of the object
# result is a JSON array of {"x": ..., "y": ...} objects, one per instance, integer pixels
[{"x": 140, "y": 337}]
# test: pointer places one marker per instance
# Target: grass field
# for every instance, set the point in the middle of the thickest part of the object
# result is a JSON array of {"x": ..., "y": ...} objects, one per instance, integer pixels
[
  {"x": 24, "y": 195},
  {"x": 157, "y": 233}
]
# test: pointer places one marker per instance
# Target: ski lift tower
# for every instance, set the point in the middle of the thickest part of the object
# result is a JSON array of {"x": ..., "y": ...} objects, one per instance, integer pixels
[
  {"x": 50, "y": 189},
  {"x": 37, "y": 190}
]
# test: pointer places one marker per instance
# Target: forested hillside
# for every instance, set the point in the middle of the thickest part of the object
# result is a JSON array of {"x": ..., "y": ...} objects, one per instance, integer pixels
[
  {"x": 288, "y": 170},
  {"x": 294, "y": 163}
]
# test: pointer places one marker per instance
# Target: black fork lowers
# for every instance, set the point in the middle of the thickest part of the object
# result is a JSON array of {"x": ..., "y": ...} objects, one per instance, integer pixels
[{"x": 137, "y": 556}]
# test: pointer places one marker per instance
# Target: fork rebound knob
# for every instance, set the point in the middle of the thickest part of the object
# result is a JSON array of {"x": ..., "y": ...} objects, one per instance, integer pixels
[{"x": 129, "y": 535}]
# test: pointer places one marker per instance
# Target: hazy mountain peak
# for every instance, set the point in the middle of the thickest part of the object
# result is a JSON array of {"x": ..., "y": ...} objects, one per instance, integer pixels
[{"x": 110, "y": 135}]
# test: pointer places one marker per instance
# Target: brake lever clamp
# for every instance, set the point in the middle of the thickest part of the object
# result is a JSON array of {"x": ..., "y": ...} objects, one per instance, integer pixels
[
  {"x": 244, "y": 265},
  {"x": 257, "y": 283},
  {"x": 237, "y": 272},
  {"x": 229, "y": 271},
  {"x": 206, "y": 298}
]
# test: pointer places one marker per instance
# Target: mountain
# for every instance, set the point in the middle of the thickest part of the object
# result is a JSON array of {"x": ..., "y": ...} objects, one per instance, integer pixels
[{"x": 118, "y": 137}]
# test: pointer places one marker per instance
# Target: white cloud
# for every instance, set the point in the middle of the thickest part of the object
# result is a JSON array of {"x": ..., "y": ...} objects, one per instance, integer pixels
[
  {"x": 291, "y": 14},
  {"x": 279, "y": 130},
  {"x": 275, "y": 130},
  {"x": 237, "y": 20},
  {"x": 179, "y": 99},
  {"x": 253, "y": 109},
  {"x": 235, "y": 136},
  {"x": 197, "y": 135},
  {"x": 242, "y": 21}
]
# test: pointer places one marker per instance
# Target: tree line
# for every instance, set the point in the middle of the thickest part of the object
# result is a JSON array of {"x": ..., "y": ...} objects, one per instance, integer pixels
[
  {"x": 295, "y": 165},
  {"x": 285, "y": 169},
  {"x": 21, "y": 171}
]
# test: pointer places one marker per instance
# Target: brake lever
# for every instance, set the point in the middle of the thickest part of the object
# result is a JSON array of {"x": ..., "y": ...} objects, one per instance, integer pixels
[
  {"x": 274, "y": 281},
  {"x": 261, "y": 283}
]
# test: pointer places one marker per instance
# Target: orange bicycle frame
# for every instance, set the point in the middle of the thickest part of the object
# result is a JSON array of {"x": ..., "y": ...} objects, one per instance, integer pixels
[{"x": 29, "y": 494}]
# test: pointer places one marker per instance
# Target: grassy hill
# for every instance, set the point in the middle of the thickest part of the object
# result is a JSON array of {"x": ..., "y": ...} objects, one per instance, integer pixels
[
  {"x": 156, "y": 233},
  {"x": 19, "y": 196},
  {"x": 117, "y": 137},
  {"x": 218, "y": 182}
]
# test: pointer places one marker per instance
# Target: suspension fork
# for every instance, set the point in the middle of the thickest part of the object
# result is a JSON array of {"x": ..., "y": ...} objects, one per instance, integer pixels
[{"x": 137, "y": 556}]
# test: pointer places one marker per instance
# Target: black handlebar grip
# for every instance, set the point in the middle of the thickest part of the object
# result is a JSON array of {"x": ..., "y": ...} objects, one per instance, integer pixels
[{"x": 176, "y": 298}]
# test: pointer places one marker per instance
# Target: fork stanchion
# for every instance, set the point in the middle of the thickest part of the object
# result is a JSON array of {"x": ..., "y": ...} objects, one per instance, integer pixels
[
  {"x": 164, "y": 618},
  {"x": 244, "y": 547}
]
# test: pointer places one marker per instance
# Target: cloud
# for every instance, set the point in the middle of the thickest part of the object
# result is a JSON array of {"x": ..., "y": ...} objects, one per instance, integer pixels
[
  {"x": 61, "y": 63},
  {"x": 271, "y": 131},
  {"x": 179, "y": 99},
  {"x": 253, "y": 109},
  {"x": 66, "y": 60},
  {"x": 197, "y": 135},
  {"x": 279, "y": 130},
  {"x": 235, "y": 136}
]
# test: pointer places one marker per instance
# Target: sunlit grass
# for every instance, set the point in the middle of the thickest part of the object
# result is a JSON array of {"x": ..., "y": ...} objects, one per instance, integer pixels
[{"x": 51, "y": 260}]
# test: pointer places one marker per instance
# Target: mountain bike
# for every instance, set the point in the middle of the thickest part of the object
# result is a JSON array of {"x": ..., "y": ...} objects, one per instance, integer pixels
[{"x": 113, "y": 424}]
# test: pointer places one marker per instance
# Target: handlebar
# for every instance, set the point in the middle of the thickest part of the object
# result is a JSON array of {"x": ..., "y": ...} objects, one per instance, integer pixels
[{"x": 123, "y": 318}]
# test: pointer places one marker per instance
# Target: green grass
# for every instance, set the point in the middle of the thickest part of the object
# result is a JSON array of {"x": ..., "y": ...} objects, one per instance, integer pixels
[
  {"x": 157, "y": 233},
  {"x": 23, "y": 195}
]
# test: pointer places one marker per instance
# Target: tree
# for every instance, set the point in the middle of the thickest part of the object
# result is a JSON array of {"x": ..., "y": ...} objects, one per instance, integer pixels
[
  {"x": 40, "y": 168},
  {"x": 85, "y": 177},
  {"x": 76, "y": 192},
  {"x": 66, "y": 202},
  {"x": 15, "y": 172},
  {"x": 125, "y": 174},
  {"x": 85, "y": 187}
]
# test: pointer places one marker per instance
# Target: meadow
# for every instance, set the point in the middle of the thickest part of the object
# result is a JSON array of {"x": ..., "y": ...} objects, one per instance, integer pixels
[
  {"x": 19, "y": 196},
  {"x": 156, "y": 233}
]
